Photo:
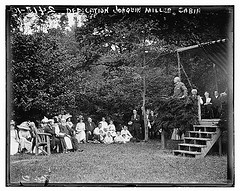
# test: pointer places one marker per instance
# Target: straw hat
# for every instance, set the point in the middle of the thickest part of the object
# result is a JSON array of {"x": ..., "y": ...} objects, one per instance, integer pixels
[
  {"x": 24, "y": 126},
  {"x": 68, "y": 116},
  {"x": 45, "y": 120},
  {"x": 51, "y": 120}
]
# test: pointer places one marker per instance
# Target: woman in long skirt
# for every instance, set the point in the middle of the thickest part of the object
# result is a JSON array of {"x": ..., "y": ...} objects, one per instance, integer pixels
[
  {"x": 14, "y": 140},
  {"x": 25, "y": 137},
  {"x": 80, "y": 131}
]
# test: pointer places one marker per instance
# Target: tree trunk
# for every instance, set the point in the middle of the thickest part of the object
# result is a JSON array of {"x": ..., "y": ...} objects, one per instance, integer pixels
[{"x": 144, "y": 89}]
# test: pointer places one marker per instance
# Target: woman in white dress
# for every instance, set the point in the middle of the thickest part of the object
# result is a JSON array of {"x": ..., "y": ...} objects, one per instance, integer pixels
[
  {"x": 104, "y": 124},
  {"x": 14, "y": 140},
  {"x": 80, "y": 131},
  {"x": 112, "y": 128},
  {"x": 68, "y": 120},
  {"x": 25, "y": 137}
]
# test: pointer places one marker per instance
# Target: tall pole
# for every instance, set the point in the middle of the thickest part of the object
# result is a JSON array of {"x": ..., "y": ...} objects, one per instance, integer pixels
[
  {"x": 215, "y": 75},
  {"x": 144, "y": 89},
  {"x": 179, "y": 65}
]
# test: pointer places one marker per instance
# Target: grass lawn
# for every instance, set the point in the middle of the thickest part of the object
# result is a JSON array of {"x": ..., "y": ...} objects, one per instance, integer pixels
[{"x": 121, "y": 163}]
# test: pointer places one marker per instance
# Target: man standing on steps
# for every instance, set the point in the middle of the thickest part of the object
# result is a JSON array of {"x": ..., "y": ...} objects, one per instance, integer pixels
[
  {"x": 216, "y": 105},
  {"x": 180, "y": 90}
]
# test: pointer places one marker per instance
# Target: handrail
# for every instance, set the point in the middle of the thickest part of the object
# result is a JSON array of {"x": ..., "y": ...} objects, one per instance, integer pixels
[{"x": 199, "y": 109}]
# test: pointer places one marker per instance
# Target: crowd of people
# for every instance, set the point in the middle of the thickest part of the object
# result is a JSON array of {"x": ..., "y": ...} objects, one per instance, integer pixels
[
  {"x": 211, "y": 107},
  {"x": 66, "y": 136}
]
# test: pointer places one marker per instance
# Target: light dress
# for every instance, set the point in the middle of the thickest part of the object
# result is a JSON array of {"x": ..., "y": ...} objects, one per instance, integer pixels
[
  {"x": 127, "y": 134},
  {"x": 80, "y": 132},
  {"x": 112, "y": 129},
  {"x": 24, "y": 143},
  {"x": 14, "y": 144}
]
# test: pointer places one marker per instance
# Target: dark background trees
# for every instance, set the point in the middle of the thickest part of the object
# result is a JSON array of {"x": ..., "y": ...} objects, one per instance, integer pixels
[{"x": 97, "y": 68}]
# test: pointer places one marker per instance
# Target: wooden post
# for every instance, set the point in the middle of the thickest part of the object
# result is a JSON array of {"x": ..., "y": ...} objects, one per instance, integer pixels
[
  {"x": 163, "y": 139},
  {"x": 215, "y": 75},
  {"x": 179, "y": 66},
  {"x": 199, "y": 110},
  {"x": 48, "y": 145},
  {"x": 36, "y": 145},
  {"x": 220, "y": 145}
]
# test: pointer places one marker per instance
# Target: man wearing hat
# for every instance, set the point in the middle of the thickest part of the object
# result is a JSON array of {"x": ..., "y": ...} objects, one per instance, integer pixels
[{"x": 25, "y": 137}]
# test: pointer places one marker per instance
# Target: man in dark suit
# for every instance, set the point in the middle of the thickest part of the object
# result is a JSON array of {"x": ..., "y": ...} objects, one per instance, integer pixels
[
  {"x": 49, "y": 128},
  {"x": 90, "y": 126},
  {"x": 135, "y": 125},
  {"x": 216, "y": 104}
]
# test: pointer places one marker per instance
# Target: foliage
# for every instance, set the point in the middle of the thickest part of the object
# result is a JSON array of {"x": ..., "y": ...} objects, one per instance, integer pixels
[
  {"x": 176, "y": 113},
  {"x": 38, "y": 76},
  {"x": 97, "y": 68}
]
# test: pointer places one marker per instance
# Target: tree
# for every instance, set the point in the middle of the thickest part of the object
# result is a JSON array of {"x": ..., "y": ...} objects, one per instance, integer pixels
[{"x": 99, "y": 67}]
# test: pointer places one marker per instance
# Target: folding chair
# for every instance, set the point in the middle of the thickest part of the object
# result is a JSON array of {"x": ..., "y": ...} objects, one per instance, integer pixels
[{"x": 43, "y": 143}]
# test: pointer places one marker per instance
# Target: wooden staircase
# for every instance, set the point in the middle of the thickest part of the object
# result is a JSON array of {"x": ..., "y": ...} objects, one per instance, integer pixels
[{"x": 200, "y": 139}]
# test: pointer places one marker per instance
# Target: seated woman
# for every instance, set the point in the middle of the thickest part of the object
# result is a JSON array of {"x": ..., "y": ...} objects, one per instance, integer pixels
[
  {"x": 207, "y": 106},
  {"x": 108, "y": 138},
  {"x": 25, "y": 138},
  {"x": 80, "y": 130},
  {"x": 14, "y": 140},
  {"x": 126, "y": 134},
  {"x": 104, "y": 124},
  {"x": 68, "y": 120},
  {"x": 112, "y": 128},
  {"x": 65, "y": 134}
]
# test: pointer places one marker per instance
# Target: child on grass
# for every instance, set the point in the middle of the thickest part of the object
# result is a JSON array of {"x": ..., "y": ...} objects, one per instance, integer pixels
[
  {"x": 108, "y": 139},
  {"x": 119, "y": 138},
  {"x": 97, "y": 133},
  {"x": 126, "y": 134}
]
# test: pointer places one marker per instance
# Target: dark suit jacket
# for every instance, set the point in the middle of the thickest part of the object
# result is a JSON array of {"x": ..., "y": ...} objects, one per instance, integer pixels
[
  {"x": 90, "y": 126},
  {"x": 136, "y": 122},
  {"x": 50, "y": 130},
  {"x": 216, "y": 101}
]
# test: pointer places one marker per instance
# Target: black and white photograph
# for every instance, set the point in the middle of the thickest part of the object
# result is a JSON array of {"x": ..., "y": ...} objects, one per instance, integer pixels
[{"x": 119, "y": 95}]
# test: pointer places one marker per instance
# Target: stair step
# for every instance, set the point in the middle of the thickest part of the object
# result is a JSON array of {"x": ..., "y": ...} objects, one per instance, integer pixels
[
  {"x": 196, "y": 138},
  {"x": 192, "y": 145},
  {"x": 215, "y": 126},
  {"x": 202, "y": 132},
  {"x": 187, "y": 152},
  {"x": 210, "y": 120}
]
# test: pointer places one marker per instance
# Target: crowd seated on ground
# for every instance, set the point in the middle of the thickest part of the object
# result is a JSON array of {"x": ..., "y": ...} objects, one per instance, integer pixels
[{"x": 65, "y": 136}]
